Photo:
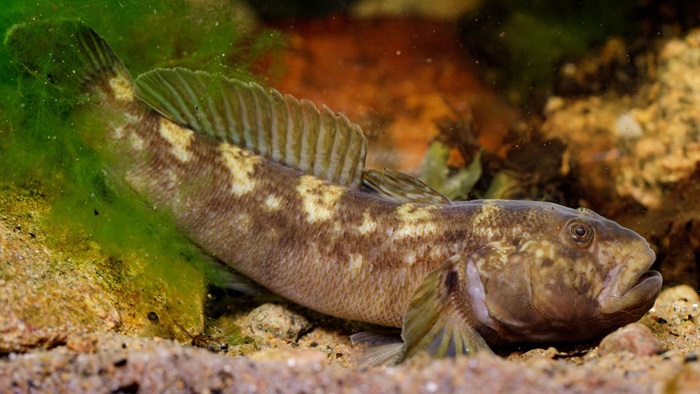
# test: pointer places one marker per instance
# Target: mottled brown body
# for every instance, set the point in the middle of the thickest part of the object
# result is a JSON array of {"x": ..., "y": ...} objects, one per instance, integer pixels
[{"x": 340, "y": 251}]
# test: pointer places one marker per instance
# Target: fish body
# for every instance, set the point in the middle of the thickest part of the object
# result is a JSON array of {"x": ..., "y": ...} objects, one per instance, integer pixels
[{"x": 276, "y": 188}]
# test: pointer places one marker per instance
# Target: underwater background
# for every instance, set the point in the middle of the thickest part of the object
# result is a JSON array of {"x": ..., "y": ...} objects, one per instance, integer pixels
[{"x": 583, "y": 104}]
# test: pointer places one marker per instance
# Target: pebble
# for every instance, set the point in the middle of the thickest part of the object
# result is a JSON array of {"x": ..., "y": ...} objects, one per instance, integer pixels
[
  {"x": 627, "y": 127},
  {"x": 635, "y": 338},
  {"x": 82, "y": 344},
  {"x": 278, "y": 321},
  {"x": 680, "y": 293}
]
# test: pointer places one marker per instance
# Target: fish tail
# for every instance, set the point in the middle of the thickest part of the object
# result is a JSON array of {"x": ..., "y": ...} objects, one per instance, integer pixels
[{"x": 69, "y": 56}]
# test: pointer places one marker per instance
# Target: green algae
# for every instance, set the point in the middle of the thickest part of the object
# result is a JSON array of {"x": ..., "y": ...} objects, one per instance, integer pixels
[
  {"x": 51, "y": 144},
  {"x": 528, "y": 41},
  {"x": 455, "y": 184}
]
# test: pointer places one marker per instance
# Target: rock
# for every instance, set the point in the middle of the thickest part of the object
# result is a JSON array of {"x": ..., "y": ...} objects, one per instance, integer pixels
[
  {"x": 431, "y": 81},
  {"x": 662, "y": 118},
  {"x": 628, "y": 127},
  {"x": 635, "y": 338},
  {"x": 678, "y": 305},
  {"x": 51, "y": 289},
  {"x": 674, "y": 319},
  {"x": 682, "y": 293},
  {"x": 83, "y": 343},
  {"x": 39, "y": 303},
  {"x": 278, "y": 321}
]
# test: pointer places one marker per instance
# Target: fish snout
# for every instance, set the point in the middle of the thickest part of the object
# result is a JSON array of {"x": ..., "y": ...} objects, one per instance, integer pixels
[{"x": 633, "y": 287}]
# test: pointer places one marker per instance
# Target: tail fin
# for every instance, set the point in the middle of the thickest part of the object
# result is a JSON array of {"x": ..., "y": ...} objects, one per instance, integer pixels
[{"x": 70, "y": 56}]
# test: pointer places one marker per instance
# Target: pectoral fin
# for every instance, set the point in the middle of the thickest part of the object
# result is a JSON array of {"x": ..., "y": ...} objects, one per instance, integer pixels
[
  {"x": 437, "y": 317},
  {"x": 380, "y": 348}
]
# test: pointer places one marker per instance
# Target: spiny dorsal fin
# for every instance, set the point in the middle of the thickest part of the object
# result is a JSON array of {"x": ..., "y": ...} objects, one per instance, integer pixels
[
  {"x": 436, "y": 320},
  {"x": 397, "y": 186},
  {"x": 278, "y": 127},
  {"x": 67, "y": 52}
]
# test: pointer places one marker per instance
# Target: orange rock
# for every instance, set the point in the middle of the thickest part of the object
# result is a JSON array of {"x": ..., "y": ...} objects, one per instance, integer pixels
[{"x": 395, "y": 77}]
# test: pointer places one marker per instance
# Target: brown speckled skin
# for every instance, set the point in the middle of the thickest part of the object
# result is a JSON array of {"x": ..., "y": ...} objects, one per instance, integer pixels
[{"x": 364, "y": 259}]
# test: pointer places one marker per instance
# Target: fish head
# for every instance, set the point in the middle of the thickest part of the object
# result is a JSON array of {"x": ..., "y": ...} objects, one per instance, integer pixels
[{"x": 575, "y": 277}]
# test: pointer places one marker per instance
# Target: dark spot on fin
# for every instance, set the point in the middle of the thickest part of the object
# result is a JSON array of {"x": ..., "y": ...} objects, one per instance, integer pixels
[
  {"x": 278, "y": 127},
  {"x": 436, "y": 319},
  {"x": 399, "y": 187},
  {"x": 451, "y": 281}
]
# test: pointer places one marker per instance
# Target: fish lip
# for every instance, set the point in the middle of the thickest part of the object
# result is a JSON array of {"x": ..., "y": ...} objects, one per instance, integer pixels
[
  {"x": 650, "y": 257},
  {"x": 643, "y": 277},
  {"x": 614, "y": 298}
]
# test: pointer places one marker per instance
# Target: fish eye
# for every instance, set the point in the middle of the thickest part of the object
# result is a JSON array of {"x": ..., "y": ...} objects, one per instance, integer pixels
[{"x": 580, "y": 232}]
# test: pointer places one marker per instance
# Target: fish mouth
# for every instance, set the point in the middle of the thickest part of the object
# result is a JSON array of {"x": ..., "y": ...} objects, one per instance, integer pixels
[{"x": 633, "y": 292}]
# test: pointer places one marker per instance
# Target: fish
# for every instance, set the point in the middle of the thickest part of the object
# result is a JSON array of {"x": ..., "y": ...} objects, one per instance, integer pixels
[{"x": 276, "y": 188}]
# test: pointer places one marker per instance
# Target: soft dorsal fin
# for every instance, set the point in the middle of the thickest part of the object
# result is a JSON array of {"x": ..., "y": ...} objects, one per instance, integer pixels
[
  {"x": 278, "y": 127},
  {"x": 400, "y": 187}
]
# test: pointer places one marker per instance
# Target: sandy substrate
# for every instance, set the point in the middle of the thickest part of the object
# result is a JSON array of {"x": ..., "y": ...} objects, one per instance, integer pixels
[{"x": 115, "y": 363}]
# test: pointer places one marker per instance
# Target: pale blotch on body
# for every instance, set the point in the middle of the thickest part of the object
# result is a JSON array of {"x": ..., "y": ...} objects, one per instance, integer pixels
[
  {"x": 436, "y": 252},
  {"x": 482, "y": 221},
  {"x": 243, "y": 221},
  {"x": 519, "y": 231},
  {"x": 318, "y": 198},
  {"x": 130, "y": 120},
  {"x": 118, "y": 132},
  {"x": 499, "y": 253},
  {"x": 132, "y": 117},
  {"x": 180, "y": 139},
  {"x": 173, "y": 179},
  {"x": 122, "y": 88},
  {"x": 272, "y": 203},
  {"x": 545, "y": 249},
  {"x": 415, "y": 221},
  {"x": 356, "y": 261},
  {"x": 136, "y": 142},
  {"x": 241, "y": 166},
  {"x": 410, "y": 213},
  {"x": 410, "y": 258},
  {"x": 368, "y": 224}
]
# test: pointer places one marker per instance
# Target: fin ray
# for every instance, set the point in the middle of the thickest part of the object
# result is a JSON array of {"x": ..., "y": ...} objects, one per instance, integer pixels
[
  {"x": 293, "y": 143},
  {"x": 263, "y": 109},
  {"x": 339, "y": 151},
  {"x": 277, "y": 118}
]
